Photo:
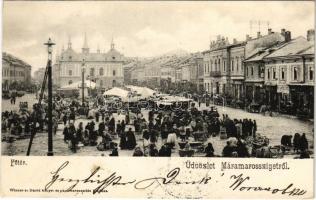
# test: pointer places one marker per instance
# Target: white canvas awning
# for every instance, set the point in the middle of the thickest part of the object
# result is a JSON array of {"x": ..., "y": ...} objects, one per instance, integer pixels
[
  {"x": 119, "y": 92},
  {"x": 144, "y": 92}
]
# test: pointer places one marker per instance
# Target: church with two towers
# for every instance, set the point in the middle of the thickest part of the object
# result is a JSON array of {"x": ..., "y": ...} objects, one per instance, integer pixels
[{"x": 105, "y": 69}]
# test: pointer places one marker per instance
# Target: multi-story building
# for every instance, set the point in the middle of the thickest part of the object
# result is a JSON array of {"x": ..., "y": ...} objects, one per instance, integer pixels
[
  {"x": 14, "y": 70},
  {"x": 186, "y": 75},
  {"x": 128, "y": 69},
  {"x": 289, "y": 74},
  {"x": 236, "y": 54},
  {"x": 256, "y": 50},
  {"x": 168, "y": 73},
  {"x": 224, "y": 70},
  {"x": 216, "y": 67},
  {"x": 200, "y": 73},
  {"x": 56, "y": 74},
  {"x": 39, "y": 75},
  {"x": 178, "y": 74},
  {"x": 152, "y": 74},
  {"x": 138, "y": 75},
  {"x": 192, "y": 69},
  {"x": 106, "y": 69}
]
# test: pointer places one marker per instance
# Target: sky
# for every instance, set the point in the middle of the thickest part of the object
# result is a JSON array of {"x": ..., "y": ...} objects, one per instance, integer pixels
[{"x": 142, "y": 29}]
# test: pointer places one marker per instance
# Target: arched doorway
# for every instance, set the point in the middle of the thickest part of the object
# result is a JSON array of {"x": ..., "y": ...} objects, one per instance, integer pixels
[{"x": 113, "y": 83}]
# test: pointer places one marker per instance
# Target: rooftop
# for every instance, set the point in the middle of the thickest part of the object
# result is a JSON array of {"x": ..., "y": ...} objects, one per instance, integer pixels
[
  {"x": 71, "y": 55},
  {"x": 14, "y": 60},
  {"x": 293, "y": 47},
  {"x": 297, "y": 46}
]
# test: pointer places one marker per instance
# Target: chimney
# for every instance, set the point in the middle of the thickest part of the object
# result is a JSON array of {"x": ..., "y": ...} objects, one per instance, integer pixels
[
  {"x": 287, "y": 36},
  {"x": 218, "y": 37},
  {"x": 247, "y": 37},
  {"x": 283, "y": 32},
  {"x": 234, "y": 41},
  {"x": 310, "y": 35},
  {"x": 269, "y": 31},
  {"x": 258, "y": 34}
]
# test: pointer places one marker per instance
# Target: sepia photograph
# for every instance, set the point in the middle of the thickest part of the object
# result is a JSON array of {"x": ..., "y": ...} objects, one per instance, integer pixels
[{"x": 158, "y": 79}]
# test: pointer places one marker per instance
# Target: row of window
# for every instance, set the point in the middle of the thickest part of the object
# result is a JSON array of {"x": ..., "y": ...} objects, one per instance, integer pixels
[
  {"x": 101, "y": 82},
  {"x": 167, "y": 73},
  {"x": 92, "y": 72},
  {"x": 70, "y": 58},
  {"x": 250, "y": 71},
  {"x": 271, "y": 74},
  {"x": 214, "y": 88},
  {"x": 12, "y": 73},
  {"x": 236, "y": 63},
  {"x": 216, "y": 65}
]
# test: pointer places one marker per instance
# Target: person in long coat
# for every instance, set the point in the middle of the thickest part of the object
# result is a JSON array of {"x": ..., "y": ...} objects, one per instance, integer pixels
[
  {"x": 65, "y": 118},
  {"x": 296, "y": 142},
  {"x": 66, "y": 134},
  {"x": 303, "y": 143},
  {"x": 112, "y": 124},
  {"x": 123, "y": 125},
  {"x": 101, "y": 128},
  {"x": 79, "y": 133},
  {"x": 131, "y": 140},
  {"x": 164, "y": 133},
  {"x": 73, "y": 138},
  {"x": 123, "y": 142}
]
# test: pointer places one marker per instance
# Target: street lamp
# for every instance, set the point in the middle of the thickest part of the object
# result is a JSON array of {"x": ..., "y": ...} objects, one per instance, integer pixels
[
  {"x": 82, "y": 85},
  {"x": 49, "y": 45}
]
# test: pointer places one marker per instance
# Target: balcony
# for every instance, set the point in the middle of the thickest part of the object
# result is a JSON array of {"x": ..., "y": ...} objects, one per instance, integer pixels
[{"x": 215, "y": 73}]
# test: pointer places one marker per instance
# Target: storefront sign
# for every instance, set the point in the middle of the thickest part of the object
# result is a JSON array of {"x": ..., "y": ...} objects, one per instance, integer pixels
[{"x": 284, "y": 89}]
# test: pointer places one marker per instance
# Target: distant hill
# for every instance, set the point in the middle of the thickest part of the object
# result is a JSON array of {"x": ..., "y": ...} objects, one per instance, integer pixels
[
  {"x": 176, "y": 52},
  {"x": 173, "y": 58}
]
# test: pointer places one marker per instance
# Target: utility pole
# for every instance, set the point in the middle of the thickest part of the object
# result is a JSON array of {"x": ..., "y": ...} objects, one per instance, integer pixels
[
  {"x": 49, "y": 45},
  {"x": 82, "y": 85}
]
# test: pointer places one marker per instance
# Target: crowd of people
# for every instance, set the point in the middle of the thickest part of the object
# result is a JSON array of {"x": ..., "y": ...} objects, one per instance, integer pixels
[{"x": 159, "y": 134}]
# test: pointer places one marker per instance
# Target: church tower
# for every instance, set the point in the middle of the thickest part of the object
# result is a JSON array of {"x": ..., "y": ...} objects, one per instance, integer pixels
[
  {"x": 112, "y": 44},
  {"x": 69, "y": 42},
  {"x": 85, "y": 48}
]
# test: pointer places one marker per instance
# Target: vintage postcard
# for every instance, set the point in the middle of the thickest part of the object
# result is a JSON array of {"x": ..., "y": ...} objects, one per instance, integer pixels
[{"x": 160, "y": 99}]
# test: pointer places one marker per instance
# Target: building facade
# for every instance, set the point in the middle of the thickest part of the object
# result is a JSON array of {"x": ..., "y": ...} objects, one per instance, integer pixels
[
  {"x": 39, "y": 75},
  {"x": 152, "y": 74},
  {"x": 216, "y": 67},
  {"x": 106, "y": 69},
  {"x": 168, "y": 73},
  {"x": 200, "y": 74},
  {"x": 254, "y": 67},
  {"x": 138, "y": 75},
  {"x": 237, "y": 56},
  {"x": 14, "y": 70},
  {"x": 289, "y": 76}
]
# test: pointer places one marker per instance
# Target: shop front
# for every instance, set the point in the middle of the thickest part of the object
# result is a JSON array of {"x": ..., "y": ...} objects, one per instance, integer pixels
[
  {"x": 255, "y": 93},
  {"x": 302, "y": 97},
  {"x": 271, "y": 97}
]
